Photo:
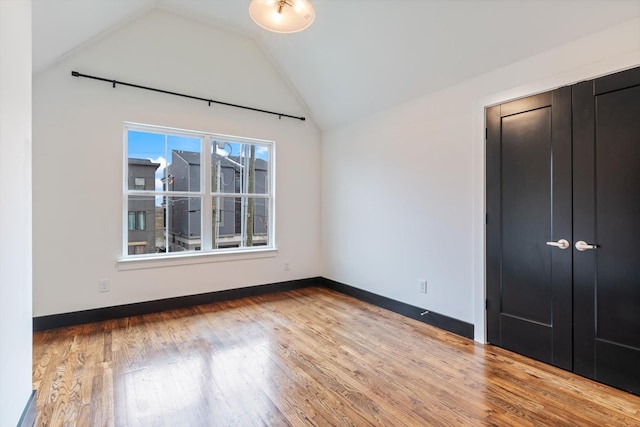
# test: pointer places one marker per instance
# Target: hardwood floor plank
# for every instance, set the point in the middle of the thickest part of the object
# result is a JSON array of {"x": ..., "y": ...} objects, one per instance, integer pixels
[{"x": 309, "y": 357}]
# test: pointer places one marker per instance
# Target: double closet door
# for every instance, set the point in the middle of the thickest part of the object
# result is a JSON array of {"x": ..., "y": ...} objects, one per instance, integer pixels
[{"x": 563, "y": 228}]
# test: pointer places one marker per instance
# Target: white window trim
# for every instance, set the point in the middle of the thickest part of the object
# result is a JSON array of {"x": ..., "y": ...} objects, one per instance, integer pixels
[
  {"x": 190, "y": 258},
  {"x": 130, "y": 262}
]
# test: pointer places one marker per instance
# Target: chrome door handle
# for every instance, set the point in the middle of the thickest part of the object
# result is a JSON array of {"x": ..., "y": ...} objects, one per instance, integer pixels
[
  {"x": 562, "y": 244},
  {"x": 582, "y": 246}
]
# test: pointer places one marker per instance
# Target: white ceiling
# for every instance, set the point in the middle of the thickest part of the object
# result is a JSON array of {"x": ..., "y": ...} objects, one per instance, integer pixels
[{"x": 359, "y": 56}]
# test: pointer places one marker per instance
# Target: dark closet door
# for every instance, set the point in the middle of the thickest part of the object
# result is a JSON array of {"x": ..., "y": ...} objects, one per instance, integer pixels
[
  {"x": 607, "y": 214},
  {"x": 529, "y": 232}
]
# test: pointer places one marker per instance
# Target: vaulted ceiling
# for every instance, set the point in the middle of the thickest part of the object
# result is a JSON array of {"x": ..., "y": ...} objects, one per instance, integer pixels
[{"x": 359, "y": 56}]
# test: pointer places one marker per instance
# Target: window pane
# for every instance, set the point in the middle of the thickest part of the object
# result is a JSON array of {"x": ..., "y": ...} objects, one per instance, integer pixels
[
  {"x": 257, "y": 222},
  {"x": 141, "y": 239},
  {"x": 170, "y": 162},
  {"x": 234, "y": 229},
  {"x": 146, "y": 159},
  {"x": 239, "y": 168},
  {"x": 184, "y": 216},
  {"x": 228, "y": 231},
  {"x": 147, "y": 224},
  {"x": 183, "y": 168}
]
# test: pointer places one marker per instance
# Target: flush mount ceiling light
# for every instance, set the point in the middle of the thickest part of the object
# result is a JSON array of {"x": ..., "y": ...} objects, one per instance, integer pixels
[{"x": 282, "y": 16}]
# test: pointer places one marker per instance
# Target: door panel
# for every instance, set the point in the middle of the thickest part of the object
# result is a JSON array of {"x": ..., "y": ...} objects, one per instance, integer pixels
[
  {"x": 618, "y": 215},
  {"x": 607, "y": 182},
  {"x": 529, "y": 204},
  {"x": 526, "y": 222}
]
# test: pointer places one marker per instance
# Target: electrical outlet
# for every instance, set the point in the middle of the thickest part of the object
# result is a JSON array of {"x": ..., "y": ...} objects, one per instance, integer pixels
[
  {"x": 287, "y": 266},
  {"x": 423, "y": 286},
  {"x": 103, "y": 285}
]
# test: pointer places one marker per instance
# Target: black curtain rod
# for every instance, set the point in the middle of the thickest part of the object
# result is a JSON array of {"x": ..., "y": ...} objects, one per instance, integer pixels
[{"x": 210, "y": 101}]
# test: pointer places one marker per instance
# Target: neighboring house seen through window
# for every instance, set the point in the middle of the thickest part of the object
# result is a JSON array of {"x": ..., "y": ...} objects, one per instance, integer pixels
[{"x": 190, "y": 191}]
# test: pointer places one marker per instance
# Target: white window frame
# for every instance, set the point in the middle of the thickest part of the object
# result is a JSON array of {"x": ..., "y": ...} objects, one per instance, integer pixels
[{"x": 206, "y": 195}]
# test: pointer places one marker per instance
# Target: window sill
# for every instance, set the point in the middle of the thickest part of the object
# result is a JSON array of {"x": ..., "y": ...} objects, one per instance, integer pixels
[{"x": 172, "y": 260}]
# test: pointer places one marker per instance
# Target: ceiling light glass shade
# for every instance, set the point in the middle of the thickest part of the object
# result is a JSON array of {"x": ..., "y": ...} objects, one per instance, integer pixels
[{"x": 282, "y": 16}]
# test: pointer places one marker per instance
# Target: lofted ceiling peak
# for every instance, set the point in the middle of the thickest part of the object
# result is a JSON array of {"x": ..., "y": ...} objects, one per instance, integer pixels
[{"x": 359, "y": 56}]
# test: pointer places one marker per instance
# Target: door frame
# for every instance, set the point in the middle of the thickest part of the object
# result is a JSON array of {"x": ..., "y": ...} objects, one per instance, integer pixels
[{"x": 592, "y": 71}]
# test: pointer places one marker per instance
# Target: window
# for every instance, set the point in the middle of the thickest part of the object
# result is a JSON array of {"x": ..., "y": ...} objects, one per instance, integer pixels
[
  {"x": 232, "y": 176},
  {"x": 139, "y": 184},
  {"x": 136, "y": 220},
  {"x": 132, "y": 221},
  {"x": 140, "y": 216}
]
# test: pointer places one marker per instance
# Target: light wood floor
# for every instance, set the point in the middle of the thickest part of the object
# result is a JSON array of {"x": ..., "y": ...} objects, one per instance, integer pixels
[{"x": 307, "y": 357}]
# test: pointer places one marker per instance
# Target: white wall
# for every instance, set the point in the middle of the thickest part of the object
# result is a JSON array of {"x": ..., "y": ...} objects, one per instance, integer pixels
[
  {"x": 403, "y": 190},
  {"x": 78, "y": 156},
  {"x": 15, "y": 209}
]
